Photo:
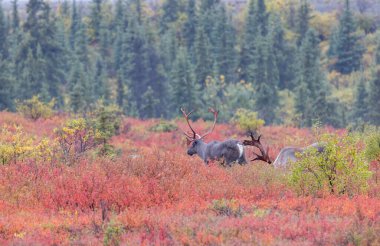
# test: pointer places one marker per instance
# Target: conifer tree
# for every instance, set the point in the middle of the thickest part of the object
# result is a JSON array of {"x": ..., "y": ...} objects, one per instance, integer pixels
[
  {"x": 100, "y": 85},
  {"x": 184, "y": 89},
  {"x": 41, "y": 46},
  {"x": 303, "y": 18},
  {"x": 149, "y": 104},
  {"x": 170, "y": 14},
  {"x": 256, "y": 25},
  {"x": 360, "y": 108},
  {"x": 120, "y": 90},
  {"x": 190, "y": 26},
  {"x": 248, "y": 44},
  {"x": 265, "y": 79},
  {"x": 377, "y": 56},
  {"x": 348, "y": 51},
  {"x": 3, "y": 34},
  {"x": 224, "y": 45},
  {"x": 6, "y": 85},
  {"x": 135, "y": 69},
  {"x": 75, "y": 24},
  {"x": 311, "y": 100},
  {"x": 208, "y": 4},
  {"x": 373, "y": 98},
  {"x": 15, "y": 15},
  {"x": 203, "y": 65},
  {"x": 96, "y": 19}
]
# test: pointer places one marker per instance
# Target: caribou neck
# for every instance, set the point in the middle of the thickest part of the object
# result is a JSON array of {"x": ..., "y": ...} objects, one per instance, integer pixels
[{"x": 201, "y": 150}]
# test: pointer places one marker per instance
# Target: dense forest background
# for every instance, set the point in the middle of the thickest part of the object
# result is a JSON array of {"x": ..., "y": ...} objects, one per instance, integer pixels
[{"x": 285, "y": 59}]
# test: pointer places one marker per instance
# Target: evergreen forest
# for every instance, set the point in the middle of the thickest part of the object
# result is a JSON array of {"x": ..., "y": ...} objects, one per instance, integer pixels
[{"x": 286, "y": 60}]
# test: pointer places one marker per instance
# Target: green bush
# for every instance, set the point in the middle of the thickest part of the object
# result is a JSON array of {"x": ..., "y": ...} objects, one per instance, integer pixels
[
  {"x": 106, "y": 119},
  {"x": 112, "y": 234},
  {"x": 372, "y": 151},
  {"x": 34, "y": 108},
  {"x": 163, "y": 126},
  {"x": 247, "y": 120},
  {"x": 340, "y": 169},
  {"x": 227, "y": 207}
]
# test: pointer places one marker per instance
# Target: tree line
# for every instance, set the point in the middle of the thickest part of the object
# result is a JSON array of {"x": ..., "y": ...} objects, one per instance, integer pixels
[{"x": 151, "y": 61}]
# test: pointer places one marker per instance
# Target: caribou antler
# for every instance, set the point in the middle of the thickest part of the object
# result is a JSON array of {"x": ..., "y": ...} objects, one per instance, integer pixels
[
  {"x": 215, "y": 112},
  {"x": 196, "y": 135},
  {"x": 186, "y": 115},
  {"x": 256, "y": 143}
]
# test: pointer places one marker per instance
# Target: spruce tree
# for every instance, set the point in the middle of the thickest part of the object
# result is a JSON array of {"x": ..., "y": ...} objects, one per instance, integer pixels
[
  {"x": 190, "y": 26},
  {"x": 203, "y": 65},
  {"x": 377, "y": 56},
  {"x": 170, "y": 14},
  {"x": 3, "y": 34},
  {"x": 256, "y": 24},
  {"x": 75, "y": 24},
  {"x": 348, "y": 51},
  {"x": 100, "y": 85},
  {"x": 149, "y": 104},
  {"x": 208, "y": 4},
  {"x": 224, "y": 45},
  {"x": 373, "y": 98},
  {"x": 96, "y": 19},
  {"x": 42, "y": 46},
  {"x": 184, "y": 89},
  {"x": 15, "y": 16},
  {"x": 360, "y": 109},
  {"x": 120, "y": 91},
  {"x": 303, "y": 18},
  {"x": 265, "y": 79},
  {"x": 135, "y": 69},
  {"x": 6, "y": 85},
  {"x": 309, "y": 80}
]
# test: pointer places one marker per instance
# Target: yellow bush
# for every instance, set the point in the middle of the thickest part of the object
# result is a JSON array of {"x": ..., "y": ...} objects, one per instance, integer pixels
[
  {"x": 34, "y": 108},
  {"x": 247, "y": 120},
  {"x": 14, "y": 145}
]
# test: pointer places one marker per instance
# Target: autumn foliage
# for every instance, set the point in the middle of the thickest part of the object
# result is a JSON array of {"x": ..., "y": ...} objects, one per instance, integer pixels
[{"x": 152, "y": 193}]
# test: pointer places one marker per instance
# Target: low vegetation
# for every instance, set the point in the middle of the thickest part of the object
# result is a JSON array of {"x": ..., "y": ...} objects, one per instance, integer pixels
[{"x": 153, "y": 193}]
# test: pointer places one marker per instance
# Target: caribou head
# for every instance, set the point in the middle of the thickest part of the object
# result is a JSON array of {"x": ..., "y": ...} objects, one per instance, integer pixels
[
  {"x": 256, "y": 143},
  {"x": 286, "y": 155}
]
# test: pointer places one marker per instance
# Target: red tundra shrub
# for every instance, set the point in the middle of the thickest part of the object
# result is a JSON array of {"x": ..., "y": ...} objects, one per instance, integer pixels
[{"x": 154, "y": 193}]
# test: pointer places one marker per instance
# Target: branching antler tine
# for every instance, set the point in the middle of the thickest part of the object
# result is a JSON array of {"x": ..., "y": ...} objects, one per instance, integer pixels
[
  {"x": 215, "y": 112},
  {"x": 186, "y": 115}
]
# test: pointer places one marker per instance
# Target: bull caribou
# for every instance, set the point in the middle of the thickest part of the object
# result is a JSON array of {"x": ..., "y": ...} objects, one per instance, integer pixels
[
  {"x": 286, "y": 155},
  {"x": 229, "y": 150}
]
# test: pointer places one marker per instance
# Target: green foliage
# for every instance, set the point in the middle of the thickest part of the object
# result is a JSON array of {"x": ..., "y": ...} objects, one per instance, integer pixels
[
  {"x": 372, "y": 150},
  {"x": 348, "y": 50},
  {"x": 163, "y": 126},
  {"x": 106, "y": 120},
  {"x": 34, "y": 108},
  {"x": 247, "y": 120},
  {"x": 112, "y": 234},
  {"x": 340, "y": 169},
  {"x": 373, "y": 98},
  {"x": 76, "y": 137},
  {"x": 227, "y": 207}
]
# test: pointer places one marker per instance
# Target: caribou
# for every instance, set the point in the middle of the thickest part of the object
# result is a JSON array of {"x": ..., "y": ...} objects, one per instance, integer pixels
[
  {"x": 229, "y": 151},
  {"x": 286, "y": 155}
]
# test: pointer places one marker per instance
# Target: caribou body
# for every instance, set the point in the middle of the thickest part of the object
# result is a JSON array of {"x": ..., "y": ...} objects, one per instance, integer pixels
[
  {"x": 289, "y": 154},
  {"x": 229, "y": 151},
  {"x": 286, "y": 155}
]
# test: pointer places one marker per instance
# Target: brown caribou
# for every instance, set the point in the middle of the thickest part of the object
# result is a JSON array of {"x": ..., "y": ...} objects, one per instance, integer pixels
[{"x": 286, "y": 155}]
